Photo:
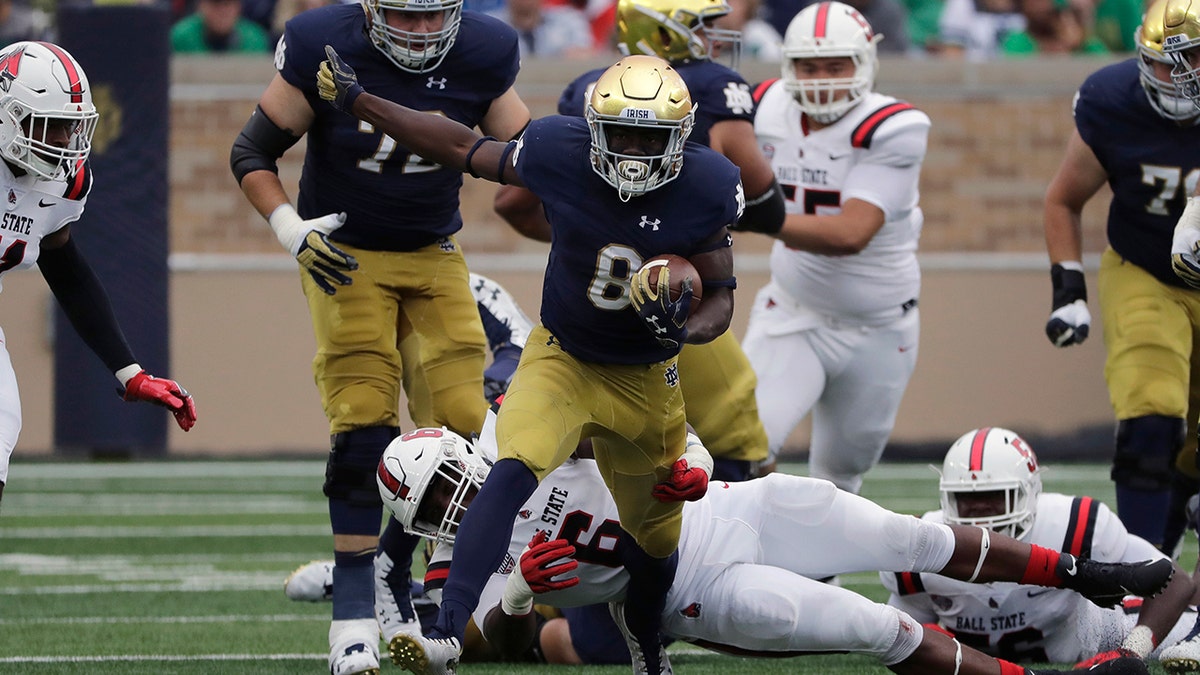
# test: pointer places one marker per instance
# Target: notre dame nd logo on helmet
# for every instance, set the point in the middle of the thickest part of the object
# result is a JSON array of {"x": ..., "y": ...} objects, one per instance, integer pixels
[{"x": 108, "y": 127}]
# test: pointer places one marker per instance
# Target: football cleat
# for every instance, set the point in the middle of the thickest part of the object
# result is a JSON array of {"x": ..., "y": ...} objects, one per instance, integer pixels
[
  {"x": 1128, "y": 665},
  {"x": 425, "y": 655},
  {"x": 310, "y": 582},
  {"x": 393, "y": 600},
  {"x": 661, "y": 664},
  {"x": 354, "y": 647},
  {"x": 1183, "y": 656},
  {"x": 1105, "y": 584}
]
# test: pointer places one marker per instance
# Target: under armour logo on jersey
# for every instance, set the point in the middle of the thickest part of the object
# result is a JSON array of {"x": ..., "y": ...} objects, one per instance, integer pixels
[
  {"x": 672, "y": 375},
  {"x": 440, "y": 84},
  {"x": 652, "y": 223},
  {"x": 738, "y": 98}
]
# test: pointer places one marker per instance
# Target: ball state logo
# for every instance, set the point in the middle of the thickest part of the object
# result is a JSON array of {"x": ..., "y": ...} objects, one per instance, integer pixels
[
  {"x": 692, "y": 611},
  {"x": 10, "y": 65}
]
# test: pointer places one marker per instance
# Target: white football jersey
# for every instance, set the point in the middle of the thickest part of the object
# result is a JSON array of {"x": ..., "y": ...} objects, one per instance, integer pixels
[
  {"x": 874, "y": 154},
  {"x": 33, "y": 208},
  {"x": 1032, "y": 623}
]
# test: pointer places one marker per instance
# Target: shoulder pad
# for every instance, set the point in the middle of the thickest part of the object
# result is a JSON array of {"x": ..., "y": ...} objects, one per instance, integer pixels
[
  {"x": 865, "y": 132},
  {"x": 79, "y": 182},
  {"x": 1081, "y": 527}
]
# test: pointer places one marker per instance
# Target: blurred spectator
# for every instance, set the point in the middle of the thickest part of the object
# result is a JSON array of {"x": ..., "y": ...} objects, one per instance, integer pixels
[
  {"x": 760, "y": 40},
  {"x": 1053, "y": 27},
  {"x": 19, "y": 21},
  {"x": 887, "y": 17},
  {"x": 1116, "y": 20},
  {"x": 975, "y": 29},
  {"x": 923, "y": 24},
  {"x": 554, "y": 30},
  {"x": 218, "y": 26}
]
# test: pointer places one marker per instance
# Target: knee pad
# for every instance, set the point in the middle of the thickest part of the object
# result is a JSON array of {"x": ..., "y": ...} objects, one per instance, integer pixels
[
  {"x": 353, "y": 460},
  {"x": 1146, "y": 448},
  {"x": 909, "y": 636}
]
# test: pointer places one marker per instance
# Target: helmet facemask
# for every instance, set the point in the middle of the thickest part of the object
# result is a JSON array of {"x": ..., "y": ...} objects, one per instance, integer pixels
[
  {"x": 1181, "y": 42},
  {"x": 413, "y": 51},
  {"x": 830, "y": 30},
  {"x": 427, "y": 478},
  {"x": 992, "y": 460},
  {"x": 1165, "y": 97},
  {"x": 640, "y": 96},
  {"x": 676, "y": 30},
  {"x": 47, "y": 118}
]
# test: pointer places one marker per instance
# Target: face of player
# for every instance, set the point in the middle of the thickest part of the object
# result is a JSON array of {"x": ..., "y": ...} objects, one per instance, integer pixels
[
  {"x": 53, "y": 132},
  {"x": 416, "y": 22},
  {"x": 980, "y": 504},
  {"x": 438, "y": 499},
  {"x": 637, "y": 142},
  {"x": 830, "y": 68}
]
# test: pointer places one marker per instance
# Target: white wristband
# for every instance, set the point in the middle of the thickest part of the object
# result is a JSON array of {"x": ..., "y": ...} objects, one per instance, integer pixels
[
  {"x": 697, "y": 455},
  {"x": 518, "y": 598},
  {"x": 126, "y": 374},
  {"x": 289, "y": 227}
]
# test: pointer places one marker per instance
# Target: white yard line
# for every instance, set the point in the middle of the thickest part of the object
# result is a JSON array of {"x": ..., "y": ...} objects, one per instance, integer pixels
[{"x": 116, "y": 658}]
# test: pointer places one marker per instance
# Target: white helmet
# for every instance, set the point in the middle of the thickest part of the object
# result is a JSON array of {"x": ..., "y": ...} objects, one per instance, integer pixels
[
  {"x": 1165, "y": 97},
  {"x": 407, "y": 473},
  {"x": 992, "y": 459},
  {"x": 824, "y": 30},
  {"x": 43, "y": 90},
  {"x": 413, "y": 51}
]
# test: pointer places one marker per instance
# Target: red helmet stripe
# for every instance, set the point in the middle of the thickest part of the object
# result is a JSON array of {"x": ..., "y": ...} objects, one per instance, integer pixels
[
  {"x": 976, "y": 461},
  {"x": 822, "y": 21},
  {"x": 74, "y": 78}
]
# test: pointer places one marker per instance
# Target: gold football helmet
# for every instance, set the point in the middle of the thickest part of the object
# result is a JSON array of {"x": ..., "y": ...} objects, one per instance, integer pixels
[
  {"x": 675, "y": 30},
  {"x": 413, "y": 51},
  {"x": 640, "y": 114},
  {"x": 1181, "y": 37},
  {"x": 1164, "y": 97}
]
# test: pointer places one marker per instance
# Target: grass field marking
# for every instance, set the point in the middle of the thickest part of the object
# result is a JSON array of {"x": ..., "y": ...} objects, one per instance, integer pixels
[
  {"x": 228, "y": 618},
  {"x": 158, "y": 504},
  {"x": 117, "y": 658},
  {"x": 241, "y": 583},
  {"x": 183, "y": 470},
  {"x": 10, "y": 534}
]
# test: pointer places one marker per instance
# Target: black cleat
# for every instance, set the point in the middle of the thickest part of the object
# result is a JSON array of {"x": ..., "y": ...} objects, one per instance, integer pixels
[
  {"x": 1105, "y": 584},
  {"x": 1127, "y": 665}
]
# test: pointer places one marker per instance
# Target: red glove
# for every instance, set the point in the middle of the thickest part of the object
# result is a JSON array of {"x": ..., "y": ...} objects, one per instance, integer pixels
[
  {"x": 686, "y": 483},
  {"x": 167, "y": 393},
  {"x": 1096, "y": 660},
  {"x": 544, "y": 560}
]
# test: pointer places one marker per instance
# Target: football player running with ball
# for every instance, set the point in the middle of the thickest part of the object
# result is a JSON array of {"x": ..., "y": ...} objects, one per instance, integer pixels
[
  {"x": 835, "y": 331},
  {"x": 619, "y": 187},
  {"x": 373, "y": 234},
  {"x": 716, "y": 378},
  {"x": 46, "y": 124},
  {"x": 749, "y": 552}
]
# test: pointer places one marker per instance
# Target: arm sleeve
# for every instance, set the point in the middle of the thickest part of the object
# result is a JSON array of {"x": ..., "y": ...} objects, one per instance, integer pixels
[{"x": 85, "y": 303}]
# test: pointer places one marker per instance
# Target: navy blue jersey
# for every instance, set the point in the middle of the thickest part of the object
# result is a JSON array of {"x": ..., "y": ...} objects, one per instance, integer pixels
[
  {"x": 718, "y": 92},
  {"x": 598, "y": 240},
  {"x": 393, "y": 199},
  {"x": 1151, "y": 164}
]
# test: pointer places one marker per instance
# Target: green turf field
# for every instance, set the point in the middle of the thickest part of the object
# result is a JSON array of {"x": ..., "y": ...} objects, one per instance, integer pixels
[{"x": 178, "y": 567}]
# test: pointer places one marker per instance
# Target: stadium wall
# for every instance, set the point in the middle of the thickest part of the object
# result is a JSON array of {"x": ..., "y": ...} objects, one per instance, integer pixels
[{"x": 240, "y": 336}]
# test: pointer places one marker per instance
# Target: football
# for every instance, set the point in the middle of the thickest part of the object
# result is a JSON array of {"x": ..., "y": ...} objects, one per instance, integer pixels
[{"x": 680, "y": 268}]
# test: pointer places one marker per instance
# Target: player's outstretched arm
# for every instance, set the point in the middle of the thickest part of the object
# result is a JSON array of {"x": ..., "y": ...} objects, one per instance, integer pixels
[
  {"x": 433, "y": 137},
  {"x": 86, "y": 304}
]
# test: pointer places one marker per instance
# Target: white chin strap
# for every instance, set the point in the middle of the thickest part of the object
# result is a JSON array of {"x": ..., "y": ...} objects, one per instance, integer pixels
[{"x": 985, "y": 543}]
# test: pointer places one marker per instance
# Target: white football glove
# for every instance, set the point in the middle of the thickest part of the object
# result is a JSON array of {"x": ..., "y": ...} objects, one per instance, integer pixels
[
  {"x": 1069, "y": 324},
  {"x": 1185, "y": 259},
  {"x": 307, "y": 240}
]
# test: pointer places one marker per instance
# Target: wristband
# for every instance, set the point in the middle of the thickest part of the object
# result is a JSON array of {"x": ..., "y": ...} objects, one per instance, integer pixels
[
  {"x": 1140, "y": 641},
  {"x": 471, "y": 155},
  {"x": 518, "y": 598},
  {"x": 697, "y": 455},
  {"x": 1067, "y": 280},
  {"x": 288, "y": 226},
  {"x": 126, "y": 374}
]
